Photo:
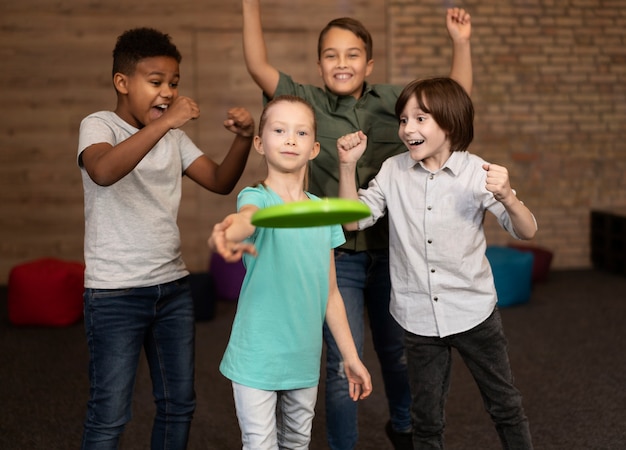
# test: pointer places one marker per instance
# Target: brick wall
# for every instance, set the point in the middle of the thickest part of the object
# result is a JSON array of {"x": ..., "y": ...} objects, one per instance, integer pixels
[
  {"x": 549, "y": 96},
  {"x": 550, "y": 99}
]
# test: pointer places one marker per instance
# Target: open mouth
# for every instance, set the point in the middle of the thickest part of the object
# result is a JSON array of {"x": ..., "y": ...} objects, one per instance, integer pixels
[{"x": 416, "y": 142}]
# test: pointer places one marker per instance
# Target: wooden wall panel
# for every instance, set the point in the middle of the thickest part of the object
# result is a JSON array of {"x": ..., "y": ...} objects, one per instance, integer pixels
[{"x": 56, "y": 69}]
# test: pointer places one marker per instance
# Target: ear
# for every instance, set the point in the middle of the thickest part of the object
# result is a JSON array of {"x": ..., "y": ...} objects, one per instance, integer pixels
[
  {"x": 315, "y": 151},
  {"x": 120, "y": 81},
  {"x": 369, "y": 68},
  {"x": 258, "y": 145}
]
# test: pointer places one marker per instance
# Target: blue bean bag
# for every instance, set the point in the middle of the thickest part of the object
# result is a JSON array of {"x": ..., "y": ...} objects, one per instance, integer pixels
[{"x": 512, "y": 272}]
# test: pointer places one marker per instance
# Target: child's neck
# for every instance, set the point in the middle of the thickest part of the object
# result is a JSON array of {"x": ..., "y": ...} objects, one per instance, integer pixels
[{"x": 290, "y": 189}]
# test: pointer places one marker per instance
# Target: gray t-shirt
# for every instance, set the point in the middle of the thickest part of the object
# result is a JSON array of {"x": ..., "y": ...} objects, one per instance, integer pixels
[{"x": 131, "y": 235}]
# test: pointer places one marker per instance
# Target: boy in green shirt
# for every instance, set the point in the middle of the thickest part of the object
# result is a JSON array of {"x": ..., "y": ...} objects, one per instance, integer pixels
[{"x": 348, "y": 104}]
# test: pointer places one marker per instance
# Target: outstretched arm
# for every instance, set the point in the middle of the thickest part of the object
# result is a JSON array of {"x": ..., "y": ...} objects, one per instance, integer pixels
[
  {"x": 498, "y": 183},
  {"x": 228, "y": 235},
  {"x": 359, "y": 380},
  {"x": 458, "y": 22},
  {"x": 222, "y": 178},
  {"x": 263, "y": 73},
  {"x": 349, "y": 149}
]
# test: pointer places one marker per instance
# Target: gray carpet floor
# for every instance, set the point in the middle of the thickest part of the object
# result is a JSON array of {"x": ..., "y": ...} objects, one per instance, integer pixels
[{"x": 566, "y": 349}]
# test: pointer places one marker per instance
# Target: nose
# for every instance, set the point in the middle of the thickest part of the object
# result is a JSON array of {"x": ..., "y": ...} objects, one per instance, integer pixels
[
  {"x": 167, "y": 91},
  {"x": 290, "y": 139},
  {"x": 411, "y": 125}
]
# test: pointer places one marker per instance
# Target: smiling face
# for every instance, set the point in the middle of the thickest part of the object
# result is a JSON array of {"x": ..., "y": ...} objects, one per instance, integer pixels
[
  {"x": 344, "y": 63},
  {"x": 287, "y": 136},
  {"x": 424, "y": 138},
  {"x": 145, "y": 95}
]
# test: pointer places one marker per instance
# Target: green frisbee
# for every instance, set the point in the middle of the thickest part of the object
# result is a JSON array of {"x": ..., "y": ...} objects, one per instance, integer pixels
[{"x": 311, "y": 213}]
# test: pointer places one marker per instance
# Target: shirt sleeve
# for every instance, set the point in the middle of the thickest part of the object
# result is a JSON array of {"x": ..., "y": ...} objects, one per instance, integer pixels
[
  {"x": 189, "y": 151},
  {"x": 337, "y": 238},
  {"x": 374, "y": 197},
  {"x": 93, "y": 130}
]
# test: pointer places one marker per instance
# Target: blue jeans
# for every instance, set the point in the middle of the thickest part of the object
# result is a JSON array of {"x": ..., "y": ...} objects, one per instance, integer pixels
[
  {"x": 119, "y": 323},
  {"x": 275, "y": 419},
  {"x": 484, "y": 351},
  {"x": 363, "y": 279}
]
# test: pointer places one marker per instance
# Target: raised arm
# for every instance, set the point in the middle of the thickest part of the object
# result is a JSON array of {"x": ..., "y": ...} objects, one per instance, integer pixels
[
  {"x": 222, "y": 178},
  {"x": 107, "y": 164},
  {"x": 263, "y": 73},
  {"x": 498, "y": 183},
  {"x": 458, "y": 22},
  {"x": 349, "y": 149},
  {"x": 359, "y": 380}
]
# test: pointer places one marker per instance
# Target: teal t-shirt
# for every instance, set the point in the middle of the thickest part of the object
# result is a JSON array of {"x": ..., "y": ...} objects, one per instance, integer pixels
[{"x": 276, "y": 338}]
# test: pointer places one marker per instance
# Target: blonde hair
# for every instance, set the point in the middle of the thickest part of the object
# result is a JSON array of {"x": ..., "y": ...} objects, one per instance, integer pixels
[{"x": 288, "y": 99}]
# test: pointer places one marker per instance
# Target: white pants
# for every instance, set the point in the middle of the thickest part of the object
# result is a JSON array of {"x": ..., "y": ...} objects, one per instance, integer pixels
[{"x": 271, "y": 420}]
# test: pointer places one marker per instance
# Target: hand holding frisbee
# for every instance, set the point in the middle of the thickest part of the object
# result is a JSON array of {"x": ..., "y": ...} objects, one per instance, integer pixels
[{"x": 311, "y": 213}]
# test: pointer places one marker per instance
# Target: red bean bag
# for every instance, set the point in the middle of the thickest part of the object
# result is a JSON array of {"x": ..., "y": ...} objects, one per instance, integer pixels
[
  {"x": 541, "y": 262},
  {"x": 46, "y": 291}
]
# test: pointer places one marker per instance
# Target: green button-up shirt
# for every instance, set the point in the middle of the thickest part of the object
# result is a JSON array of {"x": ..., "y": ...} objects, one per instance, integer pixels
[{"x": 374, "y": 114}]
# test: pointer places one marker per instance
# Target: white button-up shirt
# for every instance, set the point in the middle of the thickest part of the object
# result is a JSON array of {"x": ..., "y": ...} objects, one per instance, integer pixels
[{"x": 441, "y": 279}]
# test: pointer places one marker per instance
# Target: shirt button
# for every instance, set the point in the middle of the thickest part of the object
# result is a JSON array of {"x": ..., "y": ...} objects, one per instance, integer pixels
[
  {"x": 436, "y": 299},
  {"x": 430, "y": 241},
  {"x": 432, "y": 270},
  {"x": 431, "y": 176},
  {"x": 429, "y": 208}
]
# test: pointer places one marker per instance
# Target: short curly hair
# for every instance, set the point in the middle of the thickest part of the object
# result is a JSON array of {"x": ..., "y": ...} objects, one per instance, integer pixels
[{"x": 139, "y": 43}]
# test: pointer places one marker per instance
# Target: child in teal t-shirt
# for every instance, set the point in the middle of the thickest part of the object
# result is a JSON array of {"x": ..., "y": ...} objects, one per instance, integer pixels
[{"x": 289, "y": 290}]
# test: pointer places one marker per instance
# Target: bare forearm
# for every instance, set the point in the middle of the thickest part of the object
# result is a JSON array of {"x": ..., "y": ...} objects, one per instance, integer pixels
[
  {"x": 107, "y": 165},
  {"x": 255, "y": 50},
  {"x": 522, "y": 219},
  {"x": 347, "y": 188},
  {"x": 229, "y": 171},
  {"x": 347, "y": 184},
  {"x": 461, "y": 70},
  {"x": 241, "y": 227},
  {"x": 337, "y": 322}
]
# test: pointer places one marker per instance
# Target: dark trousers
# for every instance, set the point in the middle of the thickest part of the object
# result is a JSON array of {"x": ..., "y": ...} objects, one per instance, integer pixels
[{"x": 484, "y": 351}]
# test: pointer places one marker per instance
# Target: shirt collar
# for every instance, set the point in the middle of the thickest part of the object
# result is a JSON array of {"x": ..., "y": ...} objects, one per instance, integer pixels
[
  {"x": 454, "y": 164},
  {"x": 334, "y": 99}
]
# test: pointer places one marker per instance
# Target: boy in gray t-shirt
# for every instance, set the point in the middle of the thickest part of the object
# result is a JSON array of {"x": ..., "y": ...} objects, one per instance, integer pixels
[{"x": 136, "y": 290}]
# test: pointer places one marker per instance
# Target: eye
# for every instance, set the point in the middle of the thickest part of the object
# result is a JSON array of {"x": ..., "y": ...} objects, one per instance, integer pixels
[
  {"x": 403, "y": 120},
  {"x": 302, "y": 133},
  {"x": 278, "y": 130},
  {"x": 174, "y": 85},
  {"x": 421, "y": 119}
]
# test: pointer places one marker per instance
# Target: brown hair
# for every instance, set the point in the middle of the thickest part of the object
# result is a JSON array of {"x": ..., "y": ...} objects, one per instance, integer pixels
[
  {"x": 350, "y": 24},
  {"x": 449, "y": 105}
]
